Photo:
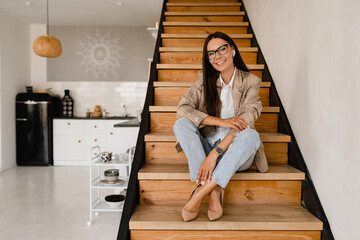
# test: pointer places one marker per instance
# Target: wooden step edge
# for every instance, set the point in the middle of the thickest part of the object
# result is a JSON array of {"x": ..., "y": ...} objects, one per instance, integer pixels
[
  {"x": 277, "y": 172},
  {"x": 206, "y": 24},
  {"x": 173, "y": 84},
  {"x": 199, "y": 66},
  {"x": 190, "y": 83},
  {"x": 184, "y": 35},
  {"x": 170, "y": 137},
  {"x": 174, "y": 108},
  {"x": 185, "y": 4},
  {"x": 221, "y": 234},
  {"x": 205, "y": 13},
  {"x": 200, "y": 49},
  {"x": 236, "y": 217}
]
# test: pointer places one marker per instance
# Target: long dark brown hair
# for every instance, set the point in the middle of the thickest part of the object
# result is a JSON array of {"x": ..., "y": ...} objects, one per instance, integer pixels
[{"x": 211, "y": 75}]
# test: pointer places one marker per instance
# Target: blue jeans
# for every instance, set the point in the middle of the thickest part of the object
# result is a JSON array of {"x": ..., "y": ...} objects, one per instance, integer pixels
[{"x": 238, "y": 157}]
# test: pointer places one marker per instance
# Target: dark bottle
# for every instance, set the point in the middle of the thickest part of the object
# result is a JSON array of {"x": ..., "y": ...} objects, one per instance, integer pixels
[{"x": 67, "y": 105}]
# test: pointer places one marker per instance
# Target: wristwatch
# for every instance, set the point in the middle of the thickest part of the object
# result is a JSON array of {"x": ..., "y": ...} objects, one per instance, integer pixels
[{"x": 219, "y": 150}]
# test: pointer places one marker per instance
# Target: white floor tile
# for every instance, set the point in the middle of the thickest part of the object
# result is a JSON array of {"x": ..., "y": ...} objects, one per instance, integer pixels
[{"x": 50, "y": 203}]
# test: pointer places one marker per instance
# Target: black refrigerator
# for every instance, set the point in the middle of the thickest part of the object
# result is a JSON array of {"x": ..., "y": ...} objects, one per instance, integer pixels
[{"x": 34, "y": 113}]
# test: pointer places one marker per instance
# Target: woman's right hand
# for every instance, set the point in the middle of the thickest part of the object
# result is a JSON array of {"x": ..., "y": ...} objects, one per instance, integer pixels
[{"x": 236, "y": 123}]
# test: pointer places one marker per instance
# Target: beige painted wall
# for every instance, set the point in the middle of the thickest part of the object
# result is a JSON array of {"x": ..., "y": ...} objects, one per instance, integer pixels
[
  {"x": 109, "y": 95},
  {"x": 15, "y": 74},
  {"x": 313, "y": 53}
]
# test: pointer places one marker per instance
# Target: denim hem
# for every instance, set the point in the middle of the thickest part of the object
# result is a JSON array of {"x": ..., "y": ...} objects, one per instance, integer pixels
[{"x": 219, "y": 182}]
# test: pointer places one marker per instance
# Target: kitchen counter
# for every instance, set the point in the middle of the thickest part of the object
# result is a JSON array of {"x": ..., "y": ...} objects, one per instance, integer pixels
[
  {"x": 73, "y": 138},
  {"x": 107, "y": 118},
  {"x": 131, "y": 123}
]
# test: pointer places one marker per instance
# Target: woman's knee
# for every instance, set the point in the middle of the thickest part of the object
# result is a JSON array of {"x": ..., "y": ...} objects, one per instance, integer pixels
[
  {"x": 182, "y": 124},
  {"x": 250, "y": 136}
]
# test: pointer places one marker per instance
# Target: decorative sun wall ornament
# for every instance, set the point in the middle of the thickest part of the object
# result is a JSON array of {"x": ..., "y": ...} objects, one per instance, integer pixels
[
  {"x": 101, "y": 54},
  {"x": 46, "y": 45}
]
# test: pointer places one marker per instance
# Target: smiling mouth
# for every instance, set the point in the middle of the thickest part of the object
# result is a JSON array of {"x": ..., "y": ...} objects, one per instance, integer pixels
[{"x": 219, "y": 63}]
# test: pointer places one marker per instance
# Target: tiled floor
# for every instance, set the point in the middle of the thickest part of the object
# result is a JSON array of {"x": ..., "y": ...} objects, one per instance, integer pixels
[{"x": 50, "y": 203}]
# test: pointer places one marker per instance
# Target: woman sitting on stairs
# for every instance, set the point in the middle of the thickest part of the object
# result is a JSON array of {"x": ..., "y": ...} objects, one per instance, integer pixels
[{"x": 215, "y": 125}]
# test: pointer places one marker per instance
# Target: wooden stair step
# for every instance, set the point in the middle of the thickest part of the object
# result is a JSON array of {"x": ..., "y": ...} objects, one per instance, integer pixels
[
  {"x": 164, "y": 122},
  {"x": 174, "y": 108},
  {"x": 173, "y": 84},
  {"x": 205, "y": 29},
  {"x": 165, "y": 153},
  {"x": 200, "y": 49},
  {"x": 197, "y": 40},
  {"x": 170, "y": 137},
  {"x": 203, "y": 8},
  {"x": 171, "y": 96},
  {"x": 186, "y": 4},
  {"x": 190, "y": 83},
  {"x": 244, "y": 192},
  {"x": 225, "y": 235},
  {"x": 204, "y": 18},
  {"x": 204, "y": 13},
  {"x": 199, "y": 66},
  {"x": 187, "y": 74},
  {"x": 201, "y": 36},
  {"x": 181, "y": 172},
  {"x": 197, "y": 58},
  {"x": 236, "y": 217},
  {"x": 249, "y": 187},
  {"x": 206, "y": 24}
]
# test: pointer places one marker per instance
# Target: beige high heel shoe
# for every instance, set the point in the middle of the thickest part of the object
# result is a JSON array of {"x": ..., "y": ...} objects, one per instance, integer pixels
[
  {"x": 189, "y": 216},
  {"x": 215, "y": 215}
]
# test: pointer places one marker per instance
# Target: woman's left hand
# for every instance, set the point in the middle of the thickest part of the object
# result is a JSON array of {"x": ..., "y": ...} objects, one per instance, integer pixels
[{"x": 206, "y": 168}]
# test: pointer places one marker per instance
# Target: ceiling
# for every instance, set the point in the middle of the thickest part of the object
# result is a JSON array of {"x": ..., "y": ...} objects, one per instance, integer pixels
[{"x": 85, "y": 12}]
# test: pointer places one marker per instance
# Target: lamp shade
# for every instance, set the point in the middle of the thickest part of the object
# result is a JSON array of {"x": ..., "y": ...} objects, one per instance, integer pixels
[{"x": 47, "y": 46}]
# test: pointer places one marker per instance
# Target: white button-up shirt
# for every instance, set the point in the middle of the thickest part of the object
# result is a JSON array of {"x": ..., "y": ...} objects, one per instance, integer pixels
[{"x": 227, "y": 109}]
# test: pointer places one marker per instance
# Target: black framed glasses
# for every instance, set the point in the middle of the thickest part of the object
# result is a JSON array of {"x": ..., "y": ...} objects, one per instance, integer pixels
[{"x": 222, "y": 50}]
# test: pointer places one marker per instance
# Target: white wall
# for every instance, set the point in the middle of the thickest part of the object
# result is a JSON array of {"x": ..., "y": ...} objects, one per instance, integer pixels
[
  {"x": 0, "y": 92},
  {"x": 110, "y": 95},
  {"x": 313, "y": 53},
  {"x": 15, "y": 74}
]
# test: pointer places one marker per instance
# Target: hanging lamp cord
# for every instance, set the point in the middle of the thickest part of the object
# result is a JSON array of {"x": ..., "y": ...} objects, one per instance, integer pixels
[{"x": 47, "y": 17}]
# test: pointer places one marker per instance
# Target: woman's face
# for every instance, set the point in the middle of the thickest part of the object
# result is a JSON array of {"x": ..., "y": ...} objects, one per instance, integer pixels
[{"x": 220, "y": 54}]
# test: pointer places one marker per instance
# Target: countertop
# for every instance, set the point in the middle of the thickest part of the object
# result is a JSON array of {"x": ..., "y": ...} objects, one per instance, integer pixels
[
  {"x": 107, "y": 118},
  {"x": 132, "y": 121}
]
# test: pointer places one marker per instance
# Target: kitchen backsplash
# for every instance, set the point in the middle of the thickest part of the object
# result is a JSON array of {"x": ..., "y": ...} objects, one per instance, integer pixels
[{"x": 109, "y": 95}]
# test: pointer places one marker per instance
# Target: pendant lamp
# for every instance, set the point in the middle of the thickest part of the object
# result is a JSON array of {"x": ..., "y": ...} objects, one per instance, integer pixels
[{"x": 46, "y": 45}]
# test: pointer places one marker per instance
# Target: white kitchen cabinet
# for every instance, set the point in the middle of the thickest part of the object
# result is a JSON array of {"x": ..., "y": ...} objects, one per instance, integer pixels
[
  {"x": 68, "y": 127},
  {"x": 95, "y": 126},
  {"x": 122, "y": 139},
  {"x": 74, "y": 138},
  {"x": 69, "y": 147}
]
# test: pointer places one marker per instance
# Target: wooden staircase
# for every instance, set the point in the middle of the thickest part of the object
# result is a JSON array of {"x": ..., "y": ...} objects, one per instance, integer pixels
[{"x": 256, "y": 205}]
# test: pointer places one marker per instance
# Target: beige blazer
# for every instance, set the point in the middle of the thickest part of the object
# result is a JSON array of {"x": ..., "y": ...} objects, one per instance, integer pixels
[{"x": 245, "y": 93}]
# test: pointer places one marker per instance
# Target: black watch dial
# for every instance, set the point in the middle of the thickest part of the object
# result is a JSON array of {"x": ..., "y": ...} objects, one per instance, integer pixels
[{"x": 219, "y": 150}]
